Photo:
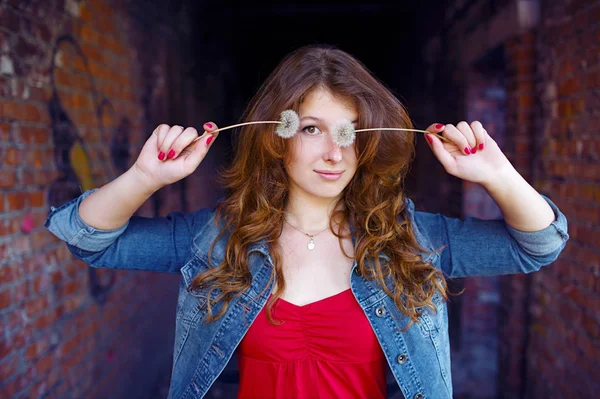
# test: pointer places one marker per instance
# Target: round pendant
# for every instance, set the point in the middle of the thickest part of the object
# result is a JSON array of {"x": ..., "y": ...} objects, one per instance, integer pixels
[{"x": 311, "y": 245}]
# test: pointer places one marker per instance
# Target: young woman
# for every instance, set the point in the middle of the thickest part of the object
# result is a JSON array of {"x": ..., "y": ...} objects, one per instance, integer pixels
[{"x": 315, "y": 267}]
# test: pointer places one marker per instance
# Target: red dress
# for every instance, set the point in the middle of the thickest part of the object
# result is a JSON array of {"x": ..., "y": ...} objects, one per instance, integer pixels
[{"x": 325, "y": 349}]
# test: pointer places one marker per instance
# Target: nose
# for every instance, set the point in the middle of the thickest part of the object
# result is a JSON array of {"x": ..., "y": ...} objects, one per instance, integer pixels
[{"x": 334, "y": 154}]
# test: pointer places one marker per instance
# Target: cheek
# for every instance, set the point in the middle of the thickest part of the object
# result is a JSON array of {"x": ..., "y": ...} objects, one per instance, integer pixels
[
  {"x": 350, "y": 157},
  {"x": 305, "y": 152}
]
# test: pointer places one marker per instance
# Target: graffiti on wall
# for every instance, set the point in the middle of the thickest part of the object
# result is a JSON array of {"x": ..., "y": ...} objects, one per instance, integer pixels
[{"x": 72, "y": 154}]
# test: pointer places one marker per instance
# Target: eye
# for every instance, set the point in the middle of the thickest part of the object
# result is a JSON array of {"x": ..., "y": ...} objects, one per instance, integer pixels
[{"x": 311, "y": 130}]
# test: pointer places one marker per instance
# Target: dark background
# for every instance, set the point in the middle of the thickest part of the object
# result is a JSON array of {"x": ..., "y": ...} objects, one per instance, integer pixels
[{"x": 84, "y": 83}]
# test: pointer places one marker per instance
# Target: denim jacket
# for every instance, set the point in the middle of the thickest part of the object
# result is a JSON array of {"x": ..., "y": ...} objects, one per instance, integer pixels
[{"x": 419, "y": 358}]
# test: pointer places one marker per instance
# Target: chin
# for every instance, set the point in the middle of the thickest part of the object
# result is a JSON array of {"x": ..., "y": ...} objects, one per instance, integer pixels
[{"x": 326, "y": 192}]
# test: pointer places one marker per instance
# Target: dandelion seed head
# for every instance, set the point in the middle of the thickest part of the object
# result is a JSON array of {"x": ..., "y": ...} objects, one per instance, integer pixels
[
  {"x": 344, "y": 134},
  {"x": 289, "y": 124}
]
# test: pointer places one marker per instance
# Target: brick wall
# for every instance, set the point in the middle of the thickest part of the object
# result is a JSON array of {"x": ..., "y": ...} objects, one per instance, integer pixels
[
  {"x": 548, "y": 334},
  {"x": 564, "y": 331},
  {"x": 82, "y": 85},
  {"x": 520, "y": 58}
]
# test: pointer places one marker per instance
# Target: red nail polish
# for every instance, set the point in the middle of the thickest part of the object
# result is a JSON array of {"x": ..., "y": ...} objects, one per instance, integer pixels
[
  {"x": 439, "y": 126},
  {"x": 429, "y": 139},
  {"x": 209, "y": 140},
  {"x": 473, "y": 150},
  {"x": 161, "y": 156},
  {"x": 481, "y": 146},
  {"x": 209, "y": 125},
  {"x": 171, "y": 154},
  {"x": 467, "y": 150}
]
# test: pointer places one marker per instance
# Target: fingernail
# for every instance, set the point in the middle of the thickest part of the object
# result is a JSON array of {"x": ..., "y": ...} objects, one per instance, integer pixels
[
  {"x": 161, "y": 156},
  {"x": 209, "y": 140},
  {"x": 473, "y": 150},
  {"x": 209, "y": 125},
  {"x": 481, "y": 146},
  {"x": 439, "y": 126},
  {"x": 171, "y": 154},
  {"x": 467, "y": 150},
  {"x": 429, "y": 139}
]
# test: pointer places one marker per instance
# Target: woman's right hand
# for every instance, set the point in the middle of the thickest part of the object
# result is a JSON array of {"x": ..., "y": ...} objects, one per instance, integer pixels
[{"x": 169, "y": 154}]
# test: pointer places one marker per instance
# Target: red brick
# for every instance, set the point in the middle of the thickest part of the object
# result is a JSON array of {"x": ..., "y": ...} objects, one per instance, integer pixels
[
  {"x": 16, "y": 201},
  {"x": 7, "y": 179},
  {"x": 43, "y": 365},
  {"x": 10, "y": 109},
  {"x": 11, "y": 20},
  {"x": 5, "y": 299},
  {"x": 36, "y": 158},
  {"x": 36, "y": 349},
  {"x": 85, "y": 14},
  {"x": 41, "y": 282},
  {"x": 88, "y": 34},
  {"x": 45, "y": 320},
  {"x": 8, "y": 366},
  {"x": 592, "y": 80},
  {"x": 37, "y": 199},
  {"x": 20, "y": 292},
  {"x": 11, "y": 156},
  {"x": 4, "y": 131},
  {"x": 34, "y": 135},
  {"x": 66, "y": 347},
  {"x": 33, "y": 113},
  {"x": 72, "y": 287},
  {"x": 591, "y": 326},
  {"x": 36, "y": 305}
]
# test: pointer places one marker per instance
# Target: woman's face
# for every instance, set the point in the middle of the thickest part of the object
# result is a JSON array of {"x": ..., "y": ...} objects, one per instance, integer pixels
[{"x": 319, "y": 167}]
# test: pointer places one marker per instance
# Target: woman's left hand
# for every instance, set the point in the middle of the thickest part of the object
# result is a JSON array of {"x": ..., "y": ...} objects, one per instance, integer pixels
[{"x": 470, "y": 154}]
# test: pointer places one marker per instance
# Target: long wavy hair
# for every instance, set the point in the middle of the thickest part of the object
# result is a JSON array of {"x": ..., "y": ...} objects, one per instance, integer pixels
[{"x": 258, "y": 186}]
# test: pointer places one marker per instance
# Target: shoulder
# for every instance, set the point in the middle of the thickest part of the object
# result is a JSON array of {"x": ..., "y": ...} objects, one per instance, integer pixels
[
  {"x": 207, "y": 228},
  {"x": 423, "y": 224}
]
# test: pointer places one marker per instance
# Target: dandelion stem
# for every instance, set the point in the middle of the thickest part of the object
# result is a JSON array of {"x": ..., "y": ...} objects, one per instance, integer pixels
[
  {"x": 238, "y": 125},
  {"x": 404, "y": 130}
]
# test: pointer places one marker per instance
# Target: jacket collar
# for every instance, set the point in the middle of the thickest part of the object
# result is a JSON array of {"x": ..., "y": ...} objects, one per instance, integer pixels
[{"x": 206, "y": 236}]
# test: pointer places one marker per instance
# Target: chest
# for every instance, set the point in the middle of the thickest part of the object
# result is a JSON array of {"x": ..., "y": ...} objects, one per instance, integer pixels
[{"x": 313, "y": 274}]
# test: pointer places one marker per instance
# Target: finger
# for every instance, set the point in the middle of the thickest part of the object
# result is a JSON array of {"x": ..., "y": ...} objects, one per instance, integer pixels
[
  {"x": 435, "y": 128},
  {"x": 466, "y": 131},
  {"x": 480, "y": 134},
  {"x": 160, "y": 132},
  {"x": 441, "y": 153},
  {"x": 183, "y": 140},
  {"x": 209, "y": 127},
  {"x": 200, "y": 150},
  {"x": 456, "y": 137},
  {"x": 167, "y": 142}
]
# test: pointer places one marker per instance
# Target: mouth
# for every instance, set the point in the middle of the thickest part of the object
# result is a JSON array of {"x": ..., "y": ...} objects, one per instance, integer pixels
[{"x": 329, "y": 174}]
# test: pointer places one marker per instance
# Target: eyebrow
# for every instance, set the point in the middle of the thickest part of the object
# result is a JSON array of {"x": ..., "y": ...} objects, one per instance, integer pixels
[{"x": 318, "y": 119}]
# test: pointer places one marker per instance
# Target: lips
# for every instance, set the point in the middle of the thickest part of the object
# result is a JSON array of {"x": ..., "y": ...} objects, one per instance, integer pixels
[{"x": 329, "y": 174}]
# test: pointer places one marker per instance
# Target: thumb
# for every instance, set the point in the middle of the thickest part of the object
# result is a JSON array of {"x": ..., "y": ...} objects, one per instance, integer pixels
[
  {"x": 440, "y": 152},
  {"x": 200, "y": 150}
]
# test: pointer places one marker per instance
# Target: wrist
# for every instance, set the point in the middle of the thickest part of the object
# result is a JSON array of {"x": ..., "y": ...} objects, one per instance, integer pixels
[
  {"x": 141, "y": 181},
  {"x": 502, "y": 179}
]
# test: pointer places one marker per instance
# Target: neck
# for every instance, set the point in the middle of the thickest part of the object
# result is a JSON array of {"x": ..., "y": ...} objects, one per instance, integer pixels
[{"x": 309, "y": 214}]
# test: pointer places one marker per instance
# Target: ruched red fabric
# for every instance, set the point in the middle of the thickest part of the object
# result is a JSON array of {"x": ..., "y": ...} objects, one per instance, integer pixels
[{"x": 325, "y": 349}]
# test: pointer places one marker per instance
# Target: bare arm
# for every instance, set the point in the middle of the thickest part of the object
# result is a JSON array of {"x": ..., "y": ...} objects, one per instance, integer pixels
[
  {"x": 523, "y": 207},
  {"x": 474, "y": 156},
  {"x": 112, "y": 205}
]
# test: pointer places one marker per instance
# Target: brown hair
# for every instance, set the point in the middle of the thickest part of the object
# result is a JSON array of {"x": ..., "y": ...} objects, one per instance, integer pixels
[{"x": 258, "y": 185}]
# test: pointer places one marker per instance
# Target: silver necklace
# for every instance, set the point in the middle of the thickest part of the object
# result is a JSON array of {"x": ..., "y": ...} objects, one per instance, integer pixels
[{"x": 311, "y": 242}]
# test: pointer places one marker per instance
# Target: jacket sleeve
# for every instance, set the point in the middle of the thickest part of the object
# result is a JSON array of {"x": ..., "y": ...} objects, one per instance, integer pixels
[
  {"x": 160, "y": 244},
  {"x": 476, "y": 247}
]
